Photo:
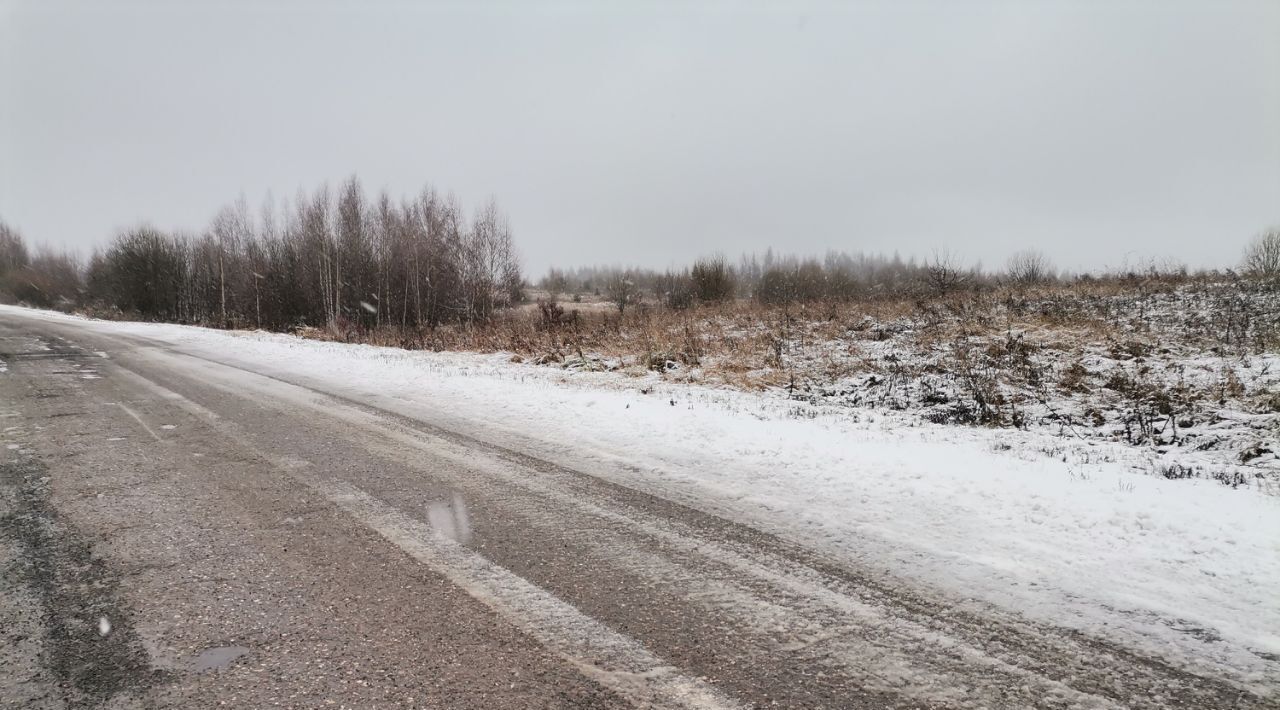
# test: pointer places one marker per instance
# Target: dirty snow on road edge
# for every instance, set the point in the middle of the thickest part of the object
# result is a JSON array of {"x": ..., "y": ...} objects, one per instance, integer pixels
[{"x": 1064, "y": 531}]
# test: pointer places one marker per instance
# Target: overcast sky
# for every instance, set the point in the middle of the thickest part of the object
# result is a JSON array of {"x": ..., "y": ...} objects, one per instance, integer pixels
[{"x": 651, "y": 133}]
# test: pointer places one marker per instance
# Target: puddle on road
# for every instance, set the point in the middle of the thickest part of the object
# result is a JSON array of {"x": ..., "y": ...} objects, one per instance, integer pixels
[{"x": 217, "y": 658}]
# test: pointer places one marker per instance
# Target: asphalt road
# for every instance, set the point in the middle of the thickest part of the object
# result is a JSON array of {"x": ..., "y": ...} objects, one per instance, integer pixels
[{"x": 181, "y": 532}]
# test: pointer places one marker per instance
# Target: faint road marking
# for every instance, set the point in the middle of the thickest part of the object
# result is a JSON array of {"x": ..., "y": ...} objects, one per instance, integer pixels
[
  {"x": 138, "y": 419},
  {"x": 617, "y": 662}
]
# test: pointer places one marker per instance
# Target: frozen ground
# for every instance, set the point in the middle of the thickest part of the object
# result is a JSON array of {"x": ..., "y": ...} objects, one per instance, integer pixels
[{"x": 1064, "y": 529}]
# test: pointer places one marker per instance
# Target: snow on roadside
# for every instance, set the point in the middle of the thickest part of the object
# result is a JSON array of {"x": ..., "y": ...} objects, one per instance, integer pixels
[{"x": 1062, "y": 530}]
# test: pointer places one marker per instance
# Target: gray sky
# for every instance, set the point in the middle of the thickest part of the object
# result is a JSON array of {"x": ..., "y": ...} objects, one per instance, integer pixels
[{"x": 649, "y": 134}]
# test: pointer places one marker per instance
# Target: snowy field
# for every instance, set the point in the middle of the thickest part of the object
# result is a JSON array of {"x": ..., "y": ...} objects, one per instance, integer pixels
[
  {"x": 1072, "y": 531},
  {"x": 1191, "y": 370}
]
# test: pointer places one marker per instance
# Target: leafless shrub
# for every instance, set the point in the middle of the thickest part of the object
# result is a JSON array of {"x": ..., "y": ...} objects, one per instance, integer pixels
[
  {"x": 13, "y": 250},
  {"x": 49, "y": 280},
  {"x": 622, "y": 290},
  {"x": 1029, "y": 268},
  {"x": 677, "y": 290},
  {"x": 554, "y": 315},
  {"x": 944, "y": 275},
  {"x": 555, "y": 283},
  {"x": 1151, "y": 409},
  {"x": 1074, "y": 378},
  {"x": 1262, "y": 255},
  {"x": 713, "y": 280},
  {"x": 979, "y": 380}
]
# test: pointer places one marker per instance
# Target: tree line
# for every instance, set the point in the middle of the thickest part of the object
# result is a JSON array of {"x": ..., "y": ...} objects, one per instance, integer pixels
[
  {"x": 330, "y": 259},
  {"x": 772, "y": 279},
  {"x": 339, "y": 260}
]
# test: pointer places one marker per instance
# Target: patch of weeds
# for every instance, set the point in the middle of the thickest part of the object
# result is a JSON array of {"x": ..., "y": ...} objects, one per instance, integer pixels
[
  {"x": 1255, "y": 452},
  {"x": 1176, "y": 471},
  {"x": 1074, "y": 378}
]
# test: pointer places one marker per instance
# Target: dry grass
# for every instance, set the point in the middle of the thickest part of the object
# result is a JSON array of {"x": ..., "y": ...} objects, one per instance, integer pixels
[{"x": 744, "y": 336}]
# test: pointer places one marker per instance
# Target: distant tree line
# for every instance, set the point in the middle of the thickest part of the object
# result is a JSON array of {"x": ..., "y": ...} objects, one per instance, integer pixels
[
  {"x": 838, "y": 276},
  {"x": 771, "y": 279},
  {"x": 343, "y": 261},
  {"x": 330, "y": 259}
]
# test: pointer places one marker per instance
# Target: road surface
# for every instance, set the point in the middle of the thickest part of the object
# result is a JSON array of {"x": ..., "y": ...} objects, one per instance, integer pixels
[{"x": 179, "y": 531}]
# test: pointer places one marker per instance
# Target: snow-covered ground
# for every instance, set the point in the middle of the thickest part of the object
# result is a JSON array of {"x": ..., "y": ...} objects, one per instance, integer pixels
[
  {"x": 1066, "y": 530},
  {"x": 1191, "y": 371}
]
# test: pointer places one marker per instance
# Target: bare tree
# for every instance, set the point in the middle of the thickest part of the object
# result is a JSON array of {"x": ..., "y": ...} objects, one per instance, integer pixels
[
  {"x": 1262, "y": 256},
  {"x": 13, "y": 250},
  {"x": 555, "y": 283},
  {"x": 316, "y": 242},
  {"x": 622, "y": 290},
  {"x": 943, "y": 274},
  {"x": 355, "y": 273},
  {"x": 490, "y": 270},
  {"x": 1029, "y": 267},
  {"x": 713, "y": 279},
  {"x": 147, "y": 273},
  {"x": 232, "y": 231},
  {"x": 259, "y": 254}
]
